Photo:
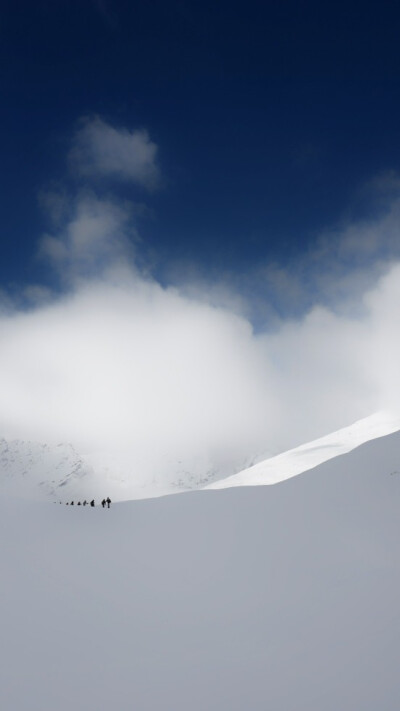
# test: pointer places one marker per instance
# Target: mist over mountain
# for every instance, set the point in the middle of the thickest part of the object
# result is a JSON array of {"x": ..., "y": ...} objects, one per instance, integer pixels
[{"x": 60, "y": 473}]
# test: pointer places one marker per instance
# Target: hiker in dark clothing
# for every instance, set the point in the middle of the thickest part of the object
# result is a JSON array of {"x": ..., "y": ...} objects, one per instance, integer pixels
[
  {"x": 108, "y": 500},
  {"x": 84, "y": 503},
  {"x": 79, "y": 503},
  {"x": 103, "y": 503},
  {"x": 92, "y": 502},
  {"x": 72, "y": 503}
]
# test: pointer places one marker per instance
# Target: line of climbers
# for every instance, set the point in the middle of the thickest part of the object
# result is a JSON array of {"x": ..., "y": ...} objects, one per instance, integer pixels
[{"x": 104, "y": 503}]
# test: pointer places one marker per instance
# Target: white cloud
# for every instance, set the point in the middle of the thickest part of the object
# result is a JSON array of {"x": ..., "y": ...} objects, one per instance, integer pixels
[
  {"x": 135, "y": 367},
  {"x": 335, "y": 271},
  {"x": 98, "y": 236},
  {"x": 101, "y": 150}
]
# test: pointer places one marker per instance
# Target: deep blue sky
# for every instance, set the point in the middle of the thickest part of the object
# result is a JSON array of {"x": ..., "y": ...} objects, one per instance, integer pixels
[{"x": 269, "y": 116}]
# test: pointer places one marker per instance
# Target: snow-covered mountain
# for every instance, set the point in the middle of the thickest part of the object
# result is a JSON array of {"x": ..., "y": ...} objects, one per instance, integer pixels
[
  {"x": 274, "y": 597},
  {"x": 58, "y": 472},
  {"x": 61, "y": 473},
  {"x": 36, "y": 470}
]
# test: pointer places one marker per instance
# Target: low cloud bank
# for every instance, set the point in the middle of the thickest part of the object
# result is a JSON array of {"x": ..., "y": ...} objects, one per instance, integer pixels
[
  {"x": 174, "y": 380},
  {"x": 126, "y": 365}
]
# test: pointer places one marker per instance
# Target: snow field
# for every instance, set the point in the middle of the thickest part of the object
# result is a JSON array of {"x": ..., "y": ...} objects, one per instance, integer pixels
[{"x": 282, "y": 598}]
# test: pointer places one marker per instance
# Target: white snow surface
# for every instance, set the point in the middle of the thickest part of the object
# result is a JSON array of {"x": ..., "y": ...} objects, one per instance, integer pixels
[
  {"x": 307, "y": 456},
  {"x": 281, "y": 598}
]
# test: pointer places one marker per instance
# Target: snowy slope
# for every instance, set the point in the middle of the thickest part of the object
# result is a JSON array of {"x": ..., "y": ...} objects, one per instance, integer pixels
[
  {"x": 36, "y": 470},
  {"x": 282, "y": 598},
  {"x": 307, "y": 456},
  {"x": 61, "y": 473}
]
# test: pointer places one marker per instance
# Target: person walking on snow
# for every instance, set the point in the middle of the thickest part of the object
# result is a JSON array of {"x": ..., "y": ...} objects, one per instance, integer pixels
[{"x": 108, "y": 501}]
